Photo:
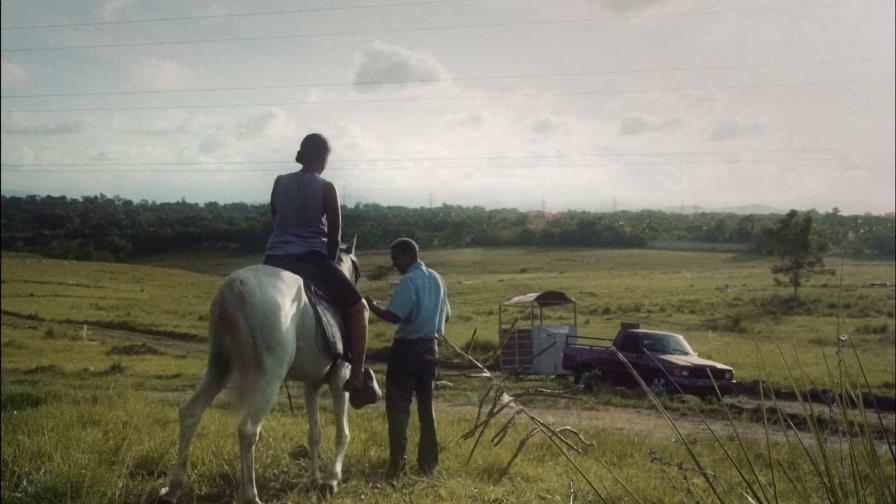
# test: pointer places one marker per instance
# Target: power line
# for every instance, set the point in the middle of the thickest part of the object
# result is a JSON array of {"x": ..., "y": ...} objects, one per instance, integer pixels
[
  {"x": 387, "y": 30},
  {"x": 448, "y": 98},
  {"x": 405, "y": 168},
  {"x": 475, "y": 158},
  {"x": 232, "y": 15},
  {"x": 453, "y": 79}
]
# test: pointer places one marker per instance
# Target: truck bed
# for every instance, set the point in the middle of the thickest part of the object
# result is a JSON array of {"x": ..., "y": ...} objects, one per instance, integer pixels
[{"x": 588, "y": 342}]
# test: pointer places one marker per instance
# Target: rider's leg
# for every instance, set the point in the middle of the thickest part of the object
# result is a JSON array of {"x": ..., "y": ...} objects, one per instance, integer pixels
[{"x": 356, "y": 322}]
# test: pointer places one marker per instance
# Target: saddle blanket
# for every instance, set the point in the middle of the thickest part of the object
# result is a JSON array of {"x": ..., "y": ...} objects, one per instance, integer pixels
[{"x": 330, "y": 326}]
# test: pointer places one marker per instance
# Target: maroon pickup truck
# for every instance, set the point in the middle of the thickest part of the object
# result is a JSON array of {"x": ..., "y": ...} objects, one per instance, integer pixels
[{"x": 657, "y": 356}]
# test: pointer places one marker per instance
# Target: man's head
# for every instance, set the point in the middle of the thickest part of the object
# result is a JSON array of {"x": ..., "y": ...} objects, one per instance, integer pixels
[
  {"x": 313, "y": 152},
  {"x": 404, "y": 253}
]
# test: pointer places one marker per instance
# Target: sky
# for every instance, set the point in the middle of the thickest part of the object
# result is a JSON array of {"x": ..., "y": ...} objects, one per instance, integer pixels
[{"x": 568, "y": 104}]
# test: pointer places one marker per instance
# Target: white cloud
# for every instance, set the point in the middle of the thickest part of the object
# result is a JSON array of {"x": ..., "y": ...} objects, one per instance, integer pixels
[
  {"x": 634, "y": 125},
  {"x": 157, "y": 74},
  {"x": 14, "y": 76},
  {"x": 545, "y": 126},
  {"x": 113, "y": 10},
  {"x": 209, "y": 145},
  {"x": 730, "y": 129},
  {"x": 255, "y": 125},
  {"x": 630, "y": 5},
  {"x": 170, "y": 123},
  {"x": 389, "y": 63},
  {"x": 45, "y": 129}
]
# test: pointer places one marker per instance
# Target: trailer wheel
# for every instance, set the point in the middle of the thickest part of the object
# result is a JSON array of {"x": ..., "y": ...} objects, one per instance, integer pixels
[{"x": 580, "y": 372}]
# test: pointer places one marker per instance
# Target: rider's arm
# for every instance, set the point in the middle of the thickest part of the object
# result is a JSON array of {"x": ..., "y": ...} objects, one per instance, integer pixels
[
  {"x": 273, "y": 192},
  {"x": 334, "y": 220}
]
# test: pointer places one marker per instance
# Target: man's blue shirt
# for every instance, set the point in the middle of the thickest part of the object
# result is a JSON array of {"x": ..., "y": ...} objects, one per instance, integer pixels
[{"x": 420, "y": 300}]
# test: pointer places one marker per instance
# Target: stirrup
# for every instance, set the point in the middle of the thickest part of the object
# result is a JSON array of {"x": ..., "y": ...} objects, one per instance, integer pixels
[{"x": 367, "y": 393}]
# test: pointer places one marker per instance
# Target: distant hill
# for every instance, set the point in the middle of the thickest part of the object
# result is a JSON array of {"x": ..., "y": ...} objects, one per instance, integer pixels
[
  {"x": 753, "y": 209},
  {"x": 740, "y": 209},
  {"x": 16, "y": 192}
]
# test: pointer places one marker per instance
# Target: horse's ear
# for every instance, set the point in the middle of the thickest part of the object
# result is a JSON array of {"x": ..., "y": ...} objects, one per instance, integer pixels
[{"x": 354, "y": 242}]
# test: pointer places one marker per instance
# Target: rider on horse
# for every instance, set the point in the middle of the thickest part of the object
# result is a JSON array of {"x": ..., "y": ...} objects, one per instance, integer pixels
[{"x": 306, "y": 240}]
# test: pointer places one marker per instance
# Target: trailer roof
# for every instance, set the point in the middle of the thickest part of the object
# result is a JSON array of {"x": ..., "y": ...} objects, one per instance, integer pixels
[{"x": 546, "y": 298}]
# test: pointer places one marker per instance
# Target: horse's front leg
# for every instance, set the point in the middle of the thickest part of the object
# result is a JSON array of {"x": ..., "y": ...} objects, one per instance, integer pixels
[
  {"x": 312, "y": 400},
  {"x": 340, "y": 412}
]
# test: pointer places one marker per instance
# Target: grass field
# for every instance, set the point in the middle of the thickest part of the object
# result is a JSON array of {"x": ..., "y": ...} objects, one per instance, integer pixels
[
  {"x": 724, "y": 304},
  {"x": 87, "y": 418}
]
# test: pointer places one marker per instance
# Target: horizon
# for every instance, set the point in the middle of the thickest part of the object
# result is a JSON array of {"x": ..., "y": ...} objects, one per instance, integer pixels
[
  {"x": 575, "y": 105},
  {"x": 685, "y": 209}
]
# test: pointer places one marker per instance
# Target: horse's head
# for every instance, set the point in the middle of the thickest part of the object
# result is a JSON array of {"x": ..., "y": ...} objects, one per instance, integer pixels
[{"x": 348, "y": 263}]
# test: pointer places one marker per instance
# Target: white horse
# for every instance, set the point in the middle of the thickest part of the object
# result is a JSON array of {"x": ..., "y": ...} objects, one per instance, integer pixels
[{"x": 262, "y": 331}]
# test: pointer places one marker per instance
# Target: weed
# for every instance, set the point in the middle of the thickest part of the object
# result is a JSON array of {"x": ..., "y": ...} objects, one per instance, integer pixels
[
  {"x": 730, "y": 322},
  {"x": 873, "y": 328},
  {"x": 21, "y": 400},
  {"x": 379, "y": 272}
]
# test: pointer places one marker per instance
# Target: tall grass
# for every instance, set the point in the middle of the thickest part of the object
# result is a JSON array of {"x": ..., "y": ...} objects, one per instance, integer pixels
[{"x": 849, "y": 465}]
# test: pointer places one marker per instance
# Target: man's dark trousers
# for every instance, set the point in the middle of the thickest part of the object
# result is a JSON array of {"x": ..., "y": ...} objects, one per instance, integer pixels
[{"x": 411, "y": 371}]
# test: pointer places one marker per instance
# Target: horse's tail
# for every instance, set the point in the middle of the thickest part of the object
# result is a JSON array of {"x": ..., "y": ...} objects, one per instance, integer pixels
[{"x": 232, "y": 347}]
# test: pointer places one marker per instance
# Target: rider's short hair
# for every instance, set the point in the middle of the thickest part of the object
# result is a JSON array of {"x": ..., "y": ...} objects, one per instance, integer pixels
[
  {"x": 314, "y": 148},
  {"x": 405, "y": 246}
]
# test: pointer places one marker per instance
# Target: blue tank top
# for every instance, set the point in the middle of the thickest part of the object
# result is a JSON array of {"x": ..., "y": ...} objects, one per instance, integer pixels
[{"x": 300, "y": 225}]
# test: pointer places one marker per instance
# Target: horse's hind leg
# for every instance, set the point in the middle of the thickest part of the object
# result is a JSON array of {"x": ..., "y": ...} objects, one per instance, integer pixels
[
  {"x": 190, "y": 413},
  {"x": 248, "y": 430}
]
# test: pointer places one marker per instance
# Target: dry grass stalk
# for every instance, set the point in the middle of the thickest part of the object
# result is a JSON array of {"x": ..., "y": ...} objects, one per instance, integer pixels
[{"x": 502, "y": 400}]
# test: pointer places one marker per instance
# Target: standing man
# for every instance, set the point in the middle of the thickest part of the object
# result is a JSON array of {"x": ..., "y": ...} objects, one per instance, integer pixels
[{"x": 419, "y": 306}]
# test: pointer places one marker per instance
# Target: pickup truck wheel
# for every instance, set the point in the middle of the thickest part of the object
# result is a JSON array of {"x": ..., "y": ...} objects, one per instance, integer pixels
[{"x": 660, "y": 385}]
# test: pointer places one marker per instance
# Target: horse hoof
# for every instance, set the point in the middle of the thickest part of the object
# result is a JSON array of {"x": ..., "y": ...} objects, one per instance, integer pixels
[
  {"x": 166, "y": 496},
  {"x": 328, "y": 488}
]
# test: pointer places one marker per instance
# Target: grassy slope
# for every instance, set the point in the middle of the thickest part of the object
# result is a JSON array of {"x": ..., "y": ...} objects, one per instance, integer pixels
[
  {"x": 686, "y": 292},
  {"x": 81, "y": 425}
]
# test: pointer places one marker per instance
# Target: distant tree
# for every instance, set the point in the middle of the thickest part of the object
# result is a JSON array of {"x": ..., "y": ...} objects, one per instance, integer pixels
[
  {"x": 117, "y": 228},
  {"x": 799, "y": 250}
]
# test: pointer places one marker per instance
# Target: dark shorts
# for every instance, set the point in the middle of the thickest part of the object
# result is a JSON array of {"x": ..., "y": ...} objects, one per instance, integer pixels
[{"x": 322, "y": 273}]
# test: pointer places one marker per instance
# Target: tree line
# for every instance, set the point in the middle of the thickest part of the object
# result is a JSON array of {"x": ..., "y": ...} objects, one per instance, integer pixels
[{"x": 114, "y": 228}]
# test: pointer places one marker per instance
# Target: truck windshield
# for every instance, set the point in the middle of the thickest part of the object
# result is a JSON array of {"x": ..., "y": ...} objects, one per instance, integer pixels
[{"x": 665, "y": 343}]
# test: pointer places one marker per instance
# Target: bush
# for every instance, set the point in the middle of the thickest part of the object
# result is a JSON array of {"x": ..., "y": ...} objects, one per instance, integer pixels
[
  {"x": 379, "y": 272},
  {"x": 731, "y": 322}
]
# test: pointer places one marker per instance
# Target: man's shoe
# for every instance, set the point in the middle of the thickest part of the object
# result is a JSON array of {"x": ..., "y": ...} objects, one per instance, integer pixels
[
  {"x": 368, "y": 392},
  {"x": 395, "y": 470}
]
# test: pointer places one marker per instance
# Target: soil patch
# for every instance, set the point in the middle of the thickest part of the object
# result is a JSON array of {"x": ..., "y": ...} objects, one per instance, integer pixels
[{"x": 135, "y": 349}]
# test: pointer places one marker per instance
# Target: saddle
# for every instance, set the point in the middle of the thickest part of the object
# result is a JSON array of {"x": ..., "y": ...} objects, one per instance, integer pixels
[
  {"x": 329, "y": 322},
  {"x": 331, "y": 329}
]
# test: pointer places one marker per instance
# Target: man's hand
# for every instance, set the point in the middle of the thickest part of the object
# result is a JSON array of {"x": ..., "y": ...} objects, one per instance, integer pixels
[{"x": 381, "y": 312}]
